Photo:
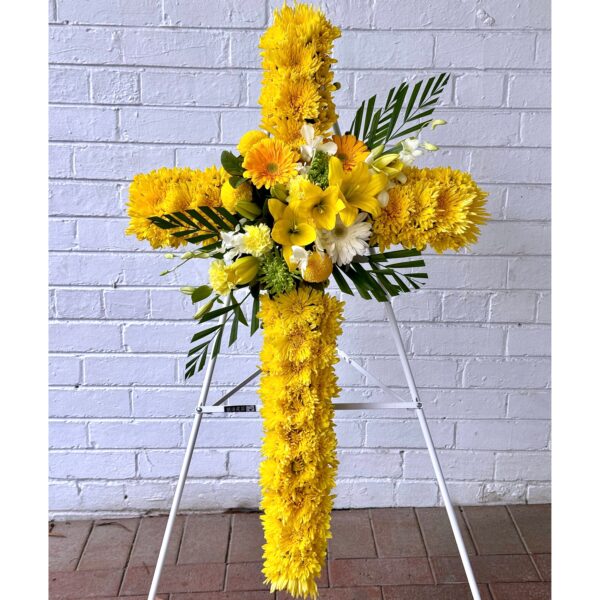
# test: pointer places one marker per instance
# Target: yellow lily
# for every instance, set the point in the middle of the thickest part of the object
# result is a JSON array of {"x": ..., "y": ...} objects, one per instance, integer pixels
[
  {"x": 293, "y": 230},
  {"x": 358, "y": 189},
  {"x": 276, "y": 208},
  {"x": 319, "y": 205}
]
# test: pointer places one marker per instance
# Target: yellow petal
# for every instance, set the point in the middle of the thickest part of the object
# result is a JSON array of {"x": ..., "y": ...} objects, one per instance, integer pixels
[
  {"x": 336, "y": 171},
  {"x": 367, "y": 204},
  {"x": 305, "y": 234},
  {"x": 348, "y": 215},
  {"x": 376, "y": 184},
  {"x": 276, "y": 208},
  {"x": 280, "y": 233},
  {"x": 286, "y": 251}
]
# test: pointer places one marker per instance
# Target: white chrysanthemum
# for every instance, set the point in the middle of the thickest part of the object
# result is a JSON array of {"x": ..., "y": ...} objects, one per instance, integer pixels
[{"x": 344, "y": 243}]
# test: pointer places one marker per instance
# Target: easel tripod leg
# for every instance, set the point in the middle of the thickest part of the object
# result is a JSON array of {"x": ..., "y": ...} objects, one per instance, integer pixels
[
  {"x": 189, "y": 451},
  {"x": 439, "y": 475},
  {"x": 175, "y": 506},
  {"x": 464, "y": 556}
]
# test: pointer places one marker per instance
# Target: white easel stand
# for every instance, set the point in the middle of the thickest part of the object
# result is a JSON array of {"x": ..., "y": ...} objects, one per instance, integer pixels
[{"x": 414, "y": 404}]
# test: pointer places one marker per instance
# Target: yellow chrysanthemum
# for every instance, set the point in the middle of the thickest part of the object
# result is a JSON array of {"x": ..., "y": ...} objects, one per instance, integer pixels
[
  {"x": 249, "y": 139},
  {"x": 165, "y": 191},
  {"x": 231, "y": 196},
  {"x": 270, "y": 162},
  {"x": 298, "y": 471},
  {"x": 298, "y": 100},
  {"x": 350, "y": 150},
  {"x": 460, "y": 210},
  {"x": 297, "y": 80},
  {"x": 257, "y": 240},
  {"x": 439, "y": 207}
]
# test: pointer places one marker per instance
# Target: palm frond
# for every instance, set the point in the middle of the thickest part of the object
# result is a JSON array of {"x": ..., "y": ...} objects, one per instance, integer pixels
[{"x": 394, "y": 120}]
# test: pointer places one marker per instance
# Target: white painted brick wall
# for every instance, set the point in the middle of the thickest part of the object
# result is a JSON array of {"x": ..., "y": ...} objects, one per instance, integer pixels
[{"x": 139, "y": 84}]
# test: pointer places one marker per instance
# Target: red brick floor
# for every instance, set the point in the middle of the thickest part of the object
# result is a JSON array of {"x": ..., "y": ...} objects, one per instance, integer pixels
[{"x": 377, "y": 554}]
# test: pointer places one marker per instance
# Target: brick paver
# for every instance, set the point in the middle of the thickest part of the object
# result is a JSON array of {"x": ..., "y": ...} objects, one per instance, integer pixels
[
  {"x": 246, "y": 538},
  {"x": 521, "y": 591},
  {"x": 534, "y": 525},
  {"x": 351, "y": 535},
  {"x": 487, "y": 569},
  {"x": 432, "y": 592},
  {"x": 264, "y": 595},
  {"x": 248, "y": 576},
  {"x": 109, "y": 545},
  {"x": 397, "y": 532},
  {"x": 376, "y": 554},
  {"x": 361, "y": 593},
  {"x": 175, "y": 578},
  {"x": 544, "y": 564},
  {"x": 205, "y": 539},
  {"x": 65, "y": 544},
  {"x": 67, "y": 585},
  {"x": 437, "y": 532},
  {"x": 493, "y": 531},
  {"x": 379, "y": 571},
  {"x": 149, "y": 538}
]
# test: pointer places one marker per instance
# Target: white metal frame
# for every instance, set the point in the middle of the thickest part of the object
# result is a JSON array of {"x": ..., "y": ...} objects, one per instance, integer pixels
[{"x": 415, "y": 404}]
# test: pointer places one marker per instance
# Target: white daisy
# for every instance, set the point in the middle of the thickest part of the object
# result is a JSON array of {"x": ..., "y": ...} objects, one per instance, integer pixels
[{"x": 344, "y": 243}]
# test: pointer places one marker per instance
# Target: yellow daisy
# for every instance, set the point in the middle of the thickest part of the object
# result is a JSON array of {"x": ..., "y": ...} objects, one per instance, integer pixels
[
  {"x": 268, "y": 162},
  {"x": 350, "y": 150}
]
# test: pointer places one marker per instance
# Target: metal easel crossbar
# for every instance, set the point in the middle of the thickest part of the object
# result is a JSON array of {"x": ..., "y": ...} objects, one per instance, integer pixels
[{"x": 415, "y": 404}]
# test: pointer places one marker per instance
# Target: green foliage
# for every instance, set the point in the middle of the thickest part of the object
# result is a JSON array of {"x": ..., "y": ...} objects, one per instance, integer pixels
[
  {"x": 198, "y": 225},
  {"x": 200, "y": 293},
  {"x": 319, "y": 169},
  {"x": 232, "y": 163},
  {"x": 410, "y": 110},
  {"x": 377, "y": 275},
  {"x": 211, "y": 338},
  {"x": 274, "y": 274}
]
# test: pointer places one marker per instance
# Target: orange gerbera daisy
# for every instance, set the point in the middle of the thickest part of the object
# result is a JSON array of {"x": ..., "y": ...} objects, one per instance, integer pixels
[
  {"x": 268, "y": 162},
  {"x": 350, "y": 150}
]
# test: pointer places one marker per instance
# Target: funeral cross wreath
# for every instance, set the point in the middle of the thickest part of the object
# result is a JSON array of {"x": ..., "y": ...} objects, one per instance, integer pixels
[{"x": 300, "y": 205}]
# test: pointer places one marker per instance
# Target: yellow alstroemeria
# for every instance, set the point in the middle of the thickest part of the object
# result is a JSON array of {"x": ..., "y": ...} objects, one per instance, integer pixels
[
  {"x": 358, "y": 189},
  {"x": 390, "y": 164},
  {"x": 293, "y": 230},
  {"x": 319, "y": 205},
  {"x": 244, "y": 269}
]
